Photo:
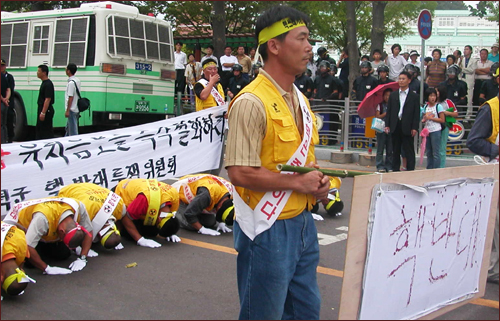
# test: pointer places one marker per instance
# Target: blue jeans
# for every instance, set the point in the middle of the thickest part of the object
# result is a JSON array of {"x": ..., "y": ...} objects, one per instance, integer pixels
[
  {"x": 277, "y": 271},
  {"x": 444, "y": 140},
  {"x": 72, "y": 124},
  {"x": 433, "y": 150},
  {"x": 384, "y": 143}
]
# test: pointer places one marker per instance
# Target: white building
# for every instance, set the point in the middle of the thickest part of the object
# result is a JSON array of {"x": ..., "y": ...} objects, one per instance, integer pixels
[{"x": 451, "y": 30}]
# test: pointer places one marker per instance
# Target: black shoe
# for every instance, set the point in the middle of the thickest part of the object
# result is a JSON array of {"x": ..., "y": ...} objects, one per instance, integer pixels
[{"x": 492, "y": 280}]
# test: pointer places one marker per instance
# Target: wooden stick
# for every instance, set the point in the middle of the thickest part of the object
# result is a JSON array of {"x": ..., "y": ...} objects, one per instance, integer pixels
[{"x": 329, "y": 172}]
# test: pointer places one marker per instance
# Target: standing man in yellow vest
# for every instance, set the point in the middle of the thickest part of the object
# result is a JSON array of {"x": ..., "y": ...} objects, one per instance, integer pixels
[
  {"x": 53, "y": 229},
  {"x": 483, "y": 140},
  {"x": 206, "y": 204},
  {"x": 104, "y": 208},
  {"x": 151, "y": 207},
  {"x": 208, "y": 90},
  {"x": 14, "y": 251},
  {"x": 270, "y": 122}
]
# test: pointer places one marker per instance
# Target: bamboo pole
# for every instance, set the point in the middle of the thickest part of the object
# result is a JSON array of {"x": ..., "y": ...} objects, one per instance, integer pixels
[{"x": 329, "y": 172}]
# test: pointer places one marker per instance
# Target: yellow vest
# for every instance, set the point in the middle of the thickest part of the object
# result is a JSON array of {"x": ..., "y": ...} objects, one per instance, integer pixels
[
  {"x": 128, "y": 189},
  {"x": 281, "y": 141},
  {"x": 92, "y": 196},
  {"x": 210, "y": 101},
  {"x": 15, "y": 245},
  {"x": 494, "y": 119},
  {"x": 51, "y": 210},
  {"x": 215, "y": 188}
]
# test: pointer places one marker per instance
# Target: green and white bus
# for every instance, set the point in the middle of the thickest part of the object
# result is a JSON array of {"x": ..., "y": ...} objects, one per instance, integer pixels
[{"x": 125, "y": 63}]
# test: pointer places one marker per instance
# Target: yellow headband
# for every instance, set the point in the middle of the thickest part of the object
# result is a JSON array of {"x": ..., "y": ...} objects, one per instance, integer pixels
[
  {"x": 164, "y": 220},
  {"x": 112, "y": 230},
  {"x": 20, "y": 276},
  {"x": 226, "y": 213},
  {"x": 278, "y": 28},
  {"x": 208, "y": 64}
]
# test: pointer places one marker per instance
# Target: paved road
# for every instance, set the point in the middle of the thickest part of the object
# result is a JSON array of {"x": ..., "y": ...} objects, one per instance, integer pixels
[{"x": 195, "y": 279}]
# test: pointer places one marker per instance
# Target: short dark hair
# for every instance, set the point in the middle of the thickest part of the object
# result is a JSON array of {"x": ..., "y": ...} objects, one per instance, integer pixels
[
  {"x": 406, "y": 73},
  {"x": 387, "y": 90},
  {"x": 179, "y": 43},
  {"x": 365, "y": 57},
  {"x": 346, "y": 51},
  {"x": 44, "y": 69},
  {"x": 396, "y": 45},
  {"x": 452, "y": 57},
  {"x": 484, "y": 49},
  {"x": 72, "y": 68},
  {"x": 470, "y": 47},
  {"x": 227, "y": 46},
  {"x": 376, "y": 50},
  {"x": 443, "y": 92},
  {"x": 437, "y": 50},
  {"x": 428, "y": 92},
  {"x": 459, "y": 52},
  {"x": 275, "y": 14},
  {"x": 211, "y": 47},
  {"x": 241, "y": 47},
  {"x": 428, "y": 59},
  {"x": 190, "y": 55}
]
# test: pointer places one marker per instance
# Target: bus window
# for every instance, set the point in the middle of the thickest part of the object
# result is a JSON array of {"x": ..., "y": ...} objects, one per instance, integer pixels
[
  {"x": 15, "y": 43},
  {"x": 70, "y": 42}
]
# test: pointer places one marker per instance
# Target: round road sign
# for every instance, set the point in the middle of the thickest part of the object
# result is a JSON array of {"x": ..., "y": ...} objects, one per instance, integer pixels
[{"x": 424, "y": 24}]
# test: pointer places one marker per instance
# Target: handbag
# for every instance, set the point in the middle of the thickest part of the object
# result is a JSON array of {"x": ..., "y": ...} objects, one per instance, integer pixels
[
  {"x": 82, "y": 103},
  {"x": 378, "y": 125}
]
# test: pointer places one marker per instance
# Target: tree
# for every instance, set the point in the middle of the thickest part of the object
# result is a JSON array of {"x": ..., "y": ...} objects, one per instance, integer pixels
[
  {"x": 378, "y": 34},
  {"x": 352, "y": 42},
  {"x": 218, "y": 22},
  {"x": 451, "y": 5},
  {"x": 484, "y": 8}
]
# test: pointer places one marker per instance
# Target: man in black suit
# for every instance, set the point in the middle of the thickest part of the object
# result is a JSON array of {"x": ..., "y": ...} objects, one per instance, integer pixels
[{"x": 403, "y": 115}]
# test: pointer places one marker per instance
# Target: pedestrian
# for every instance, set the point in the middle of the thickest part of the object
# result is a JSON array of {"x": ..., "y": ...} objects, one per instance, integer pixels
[
  {"x": 305, "y": 84},
  {"x": 9, "y": 80},
  {"x": 343, "y": 64},
  {"x": 483, "y": 66},
  {"x": 53, "y": 230},
  {"x": 433, "y": 117},
  {"x": 104, "y": 208},
  {"x": 46, "y": 95},
  {"x": 210, "y": 54},
  {"x": 71, "y": 99},
  {"x": 406, "y": 55},
  {"x": 365, "y": 83},
  {"x": 493, "y": 56},
  {"x": 489, "y": 89},
  {"x": 193, "y": 74},
  {"x": 227, "y": 62},
  {"x": 383, "y": 74},
  {"x": 252, "y": 54},
  {"x": 206, "y": 205},
  {"x": 396, "y": 62},
  {"x": 377, "y": 55},
  {"x": 468, "y": 66},
  {"x": 436, "y": 70},
  {"x": 271, "y": 123},
  {"x": 456, "y": 89},
  {"x": 402, "y": 119},
  {"x": 340, "y": 84},
  {"x": 255, "y": 70},
  {"x": 5, "y": 104},
  {"x": 245, "y": 62},
  {"x": 312, "y": 67},
  {"x": 450, "y": 114},
  {"x": 415, "y": 83},
  {"x": 323, "y": 55},
  {"x": 483, "y": 141},
  {"x": 383, "y": 139},
  {"x": 458, "y": 56},
  {"x": 237, "y": 82},
  {"x": 180, "y": 62},
  {"x": 326, "y": 90},
  {"x": 14, "y": 252},
  {"x": 450, "y": 60},
  {"x": 413, "y": 59},
  {"x": 151, "y": 207},
  {"x": 208, "y": 90}
]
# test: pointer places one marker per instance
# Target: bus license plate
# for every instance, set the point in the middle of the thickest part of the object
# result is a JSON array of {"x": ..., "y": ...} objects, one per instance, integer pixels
[
  {"x": 142, "y": 66},
  {"x": 142, "y": 106}
]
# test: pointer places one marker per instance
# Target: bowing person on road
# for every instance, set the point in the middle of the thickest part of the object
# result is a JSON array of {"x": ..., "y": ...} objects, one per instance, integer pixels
[
  {"x": 53, "y": 229},
  {"x": 206, "y": 204},
  {"x": 151, "y": 207}
]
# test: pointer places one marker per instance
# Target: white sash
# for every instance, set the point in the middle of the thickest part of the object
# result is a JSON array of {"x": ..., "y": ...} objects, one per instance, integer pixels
[
  {"x": 105, "y": 212},
  {"x": 5, "y": 229},
  {"x": 254, "y": 222},
  {"x": 13, "y": 215},
  {"x": 187, "y": 190},
  {"x": 215, "y": 93}
]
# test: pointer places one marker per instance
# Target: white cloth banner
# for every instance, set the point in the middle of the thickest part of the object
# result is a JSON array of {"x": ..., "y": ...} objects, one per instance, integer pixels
[
  {"x": 160, "y": 150},
  {"x": 425, "y": 247}
]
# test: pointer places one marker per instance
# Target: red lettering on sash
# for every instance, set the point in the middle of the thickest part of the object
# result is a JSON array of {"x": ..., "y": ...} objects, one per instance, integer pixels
[{"x": 295, "y": 162}]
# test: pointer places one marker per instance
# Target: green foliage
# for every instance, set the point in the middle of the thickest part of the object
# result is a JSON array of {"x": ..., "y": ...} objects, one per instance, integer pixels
[
  {"x": 451, "y": 5},
  {"x": 483, "y": 8}
]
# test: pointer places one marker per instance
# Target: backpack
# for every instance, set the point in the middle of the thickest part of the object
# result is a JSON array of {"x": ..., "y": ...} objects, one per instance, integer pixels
[{"x": 82, "y": 103}]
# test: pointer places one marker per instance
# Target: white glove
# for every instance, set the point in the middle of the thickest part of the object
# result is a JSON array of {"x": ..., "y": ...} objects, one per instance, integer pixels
[
  {"x": 91, "y": 253},
  {"x": 54, "y": 270},
  {"x": 119, "y": 247},
  {"x": 148, "y": 243},
  {"x": 223, "y": 227},
  {"x": 78, "y": 265},
  {"x": 317, "y": 217},
  {"x": 206, "y": 231},
  {"x": 174, "y": 239}
]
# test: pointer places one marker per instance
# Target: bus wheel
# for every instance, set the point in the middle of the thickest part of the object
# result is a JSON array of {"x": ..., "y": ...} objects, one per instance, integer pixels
[{"x": 20, "y": 123}]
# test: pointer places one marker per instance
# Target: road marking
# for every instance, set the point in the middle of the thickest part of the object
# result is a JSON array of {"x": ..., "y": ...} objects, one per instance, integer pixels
[
  {"x": 325, "y": 239},
  {"x": 320, "y": 269}
]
